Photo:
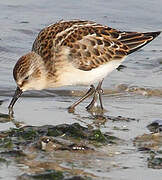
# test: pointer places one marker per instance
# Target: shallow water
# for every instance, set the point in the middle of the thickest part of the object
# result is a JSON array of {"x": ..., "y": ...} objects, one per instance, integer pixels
[{"x": 141, "y": 99}]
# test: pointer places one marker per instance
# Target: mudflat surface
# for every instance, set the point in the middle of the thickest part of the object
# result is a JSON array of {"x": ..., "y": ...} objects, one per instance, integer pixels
[{"x": 133, "y": 95}]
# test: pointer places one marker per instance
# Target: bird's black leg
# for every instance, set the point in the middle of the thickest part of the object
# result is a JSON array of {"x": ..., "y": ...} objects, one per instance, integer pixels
[
  {"x": 86, "y": 95},
  {"x": 98, "y": 93}
]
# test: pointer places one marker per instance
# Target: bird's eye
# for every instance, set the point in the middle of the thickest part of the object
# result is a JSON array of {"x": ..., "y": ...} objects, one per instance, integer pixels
[{"x": 27, "y": 77}]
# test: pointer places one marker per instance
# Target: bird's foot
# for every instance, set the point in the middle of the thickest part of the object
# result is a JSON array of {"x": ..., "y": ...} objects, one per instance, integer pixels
[{"x": 71, "y": 109}]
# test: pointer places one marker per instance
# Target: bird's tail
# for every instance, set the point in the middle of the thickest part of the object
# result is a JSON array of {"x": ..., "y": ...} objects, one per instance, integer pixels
[{"x": 136, "y": 40}]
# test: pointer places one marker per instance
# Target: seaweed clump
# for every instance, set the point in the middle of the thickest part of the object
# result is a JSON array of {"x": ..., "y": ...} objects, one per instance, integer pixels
[
  {"x": 40, "y": 147},
  {"x": 29, "y": 134},
  {"x": 50, "y": 175}
]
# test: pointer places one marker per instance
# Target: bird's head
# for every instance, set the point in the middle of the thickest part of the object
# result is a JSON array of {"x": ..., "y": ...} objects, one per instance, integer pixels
[{"x": 30, "y": 74}]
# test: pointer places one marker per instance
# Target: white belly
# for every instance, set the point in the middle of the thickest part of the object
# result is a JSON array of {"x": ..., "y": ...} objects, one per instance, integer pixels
[{"x": 70, "y": 75}]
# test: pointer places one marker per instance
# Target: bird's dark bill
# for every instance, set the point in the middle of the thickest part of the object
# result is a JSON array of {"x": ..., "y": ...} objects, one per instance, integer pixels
[{"x": 17, "y": 94}]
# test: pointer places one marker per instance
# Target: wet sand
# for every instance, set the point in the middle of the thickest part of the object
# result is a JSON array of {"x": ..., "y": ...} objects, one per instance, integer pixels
[{"x": 134, "y": 92}]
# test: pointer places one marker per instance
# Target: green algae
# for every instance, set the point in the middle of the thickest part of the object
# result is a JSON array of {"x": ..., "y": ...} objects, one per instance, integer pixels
[
  {"x": 51, "y": 175},
  {"x": 48, "y": 175},
  {"x": 155, "y": 126},
  {"x": 55, "y": 133},
  {"x": 23, "y": 146},
  {"x": 77, "y": 131},
  {"x": 6, "y": 143},
  {"x": 13, "y": 153},
  {"x": 4, "y": 118},
  {"x": 28, "y": 134},
  {"x": 154, "y": 162},
  {"x": 151, "y": 144},
  {"x": 120, "y": 118},
  {"x": 98, "y": 136},
  {"x": 2, "y": 160}
]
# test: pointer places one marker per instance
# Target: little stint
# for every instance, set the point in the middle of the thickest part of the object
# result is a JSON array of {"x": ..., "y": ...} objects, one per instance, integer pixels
[{"x": 75, "y": 52}]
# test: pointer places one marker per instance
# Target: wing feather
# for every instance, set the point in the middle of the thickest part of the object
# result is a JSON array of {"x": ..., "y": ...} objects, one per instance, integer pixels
[{"x": 89, "y": 44}]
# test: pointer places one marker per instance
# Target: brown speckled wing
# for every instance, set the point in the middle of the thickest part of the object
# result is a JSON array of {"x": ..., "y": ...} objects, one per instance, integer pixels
[
  {"x": 49, "y": 37},
  {"x": 94, "y": 45},
  {"x": 90, "y": 45}
]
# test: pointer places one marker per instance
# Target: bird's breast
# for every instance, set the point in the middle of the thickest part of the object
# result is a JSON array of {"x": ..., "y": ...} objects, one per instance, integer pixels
[{"x": 70, "y": 75}]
